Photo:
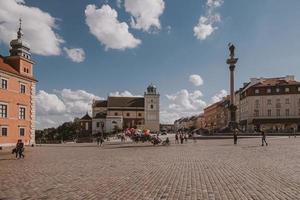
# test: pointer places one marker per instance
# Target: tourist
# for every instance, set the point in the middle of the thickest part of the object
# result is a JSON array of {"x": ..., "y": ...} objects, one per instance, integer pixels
[
  {"x": 235, "y": 137},
  {"x": 176, "y": 139},
  {"x": 185, "y": 138},
  {"x": 181, "y": 138},
  {"x": 98, "y": 141},
  {"x": 20, "y": 149},
  {"x": 263, "y": 139}
]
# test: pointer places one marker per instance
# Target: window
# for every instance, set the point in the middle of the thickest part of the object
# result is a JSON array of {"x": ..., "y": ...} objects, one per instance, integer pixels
[
  {"x": 278, "y": 112},
  {"x": 151, "y": 106},
  {"x": 287, "y": 89},
  {"x": 22, "y": 113},
  {"x": 22, "y": 89},
  {"x": 98, "y": 124},
  {"x": 277, "y": 90},
  {"x": 269, "y": 113},
  {"x": 128, "y": 114},
  {"x": 256, "y": 91},
  {"x": 3, "y": 111},
  {"x": 287, "y": 101},
  {"x": 24, "y": 69},
  {"x": 256, "y": 113},
  {"x": 4, "y": 84},
  {"x": 269, "y": 90},
  {"x": 298, "y": 89},
  {"x": 116, "y": 114},
  {"x": 4, "y": 131},
  {"x": 140, "y": 114},
  {"x": 269, "y": 102},
  {"x": 287, "y": 112},
  {"x": 22, "y": 131}
]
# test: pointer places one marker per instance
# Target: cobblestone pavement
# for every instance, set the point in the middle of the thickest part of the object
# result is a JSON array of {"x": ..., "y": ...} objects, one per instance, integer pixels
[{"x": 210, "y": 169}]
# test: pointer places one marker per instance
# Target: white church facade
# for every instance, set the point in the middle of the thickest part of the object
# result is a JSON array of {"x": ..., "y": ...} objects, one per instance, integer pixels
[{"x": 127, "y": 112}]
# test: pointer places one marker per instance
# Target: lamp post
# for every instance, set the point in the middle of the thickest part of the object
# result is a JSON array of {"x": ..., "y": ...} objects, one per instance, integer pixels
[{"x": 231, "y": 61}]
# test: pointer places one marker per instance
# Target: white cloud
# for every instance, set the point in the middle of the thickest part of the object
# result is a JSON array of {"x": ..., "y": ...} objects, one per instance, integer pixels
[
  {"x": 185, "y": 101},
  {"x": 104, "y": 25},
  {"x": 61, "y": 106},
  {"x": 123, "y": 94},
  {"x": 38, "y": 27},
  {"x": 145, "y": 13},
  {"x": 49, "y": 104},
  {"x": 206, "y": 24},
  {"x": 196, "y": 79},
  {"x": 75, "y": 54},
  {"x": 218, "y": 97}
]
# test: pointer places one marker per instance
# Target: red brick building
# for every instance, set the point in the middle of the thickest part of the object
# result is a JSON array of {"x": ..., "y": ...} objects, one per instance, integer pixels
[{"x": 17, "y": 94}]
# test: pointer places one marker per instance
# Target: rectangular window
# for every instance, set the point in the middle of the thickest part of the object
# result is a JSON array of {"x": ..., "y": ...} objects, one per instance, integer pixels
[
  {"x": 22, "y": 111},
  {"x": 4, "y": 131},
  {"x": 256, "y": 113},
  {"x": 287, "y": 112},
  {"x": 287, "y": 89},
  {"x": 22, "y": 89},
  {"x": 269, "y": 113},
  {"x": 98, "y": 124},
  {"x": 116, "y": 114},
  {"x": 269, "y": 90},
  {"x": 287, "y": 101},
  {"x": 140, "y": 114},
  {"x": 278, "y": 112},
  {"x": 4, "y": 84},
  {"x": 256, "y": 91},
  {"x": 269, "y": 102},
  {"x": 277, "y": 90},
  {"x": 22, "y": 131},
  {"x": 3, "y": 111}
]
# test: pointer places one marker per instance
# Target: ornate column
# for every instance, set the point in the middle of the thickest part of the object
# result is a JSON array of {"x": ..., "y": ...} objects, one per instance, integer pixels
[{"x": 231, "y": 61}]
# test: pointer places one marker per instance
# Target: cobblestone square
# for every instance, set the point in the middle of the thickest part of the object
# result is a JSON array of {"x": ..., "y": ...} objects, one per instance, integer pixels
[{"x": 207, "y": 169}]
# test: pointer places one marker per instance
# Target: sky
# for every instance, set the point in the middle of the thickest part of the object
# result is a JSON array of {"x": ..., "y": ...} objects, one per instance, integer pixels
[{"x": 89, "y": 49}]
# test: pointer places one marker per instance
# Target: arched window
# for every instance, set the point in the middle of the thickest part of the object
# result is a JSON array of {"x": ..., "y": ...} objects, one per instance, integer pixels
[{"x": 151, "y": 106}]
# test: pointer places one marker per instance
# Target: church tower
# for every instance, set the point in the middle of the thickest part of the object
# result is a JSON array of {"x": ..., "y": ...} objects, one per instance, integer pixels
[
  {"x": 152, "y": 108},
  {"x": 20, "y": 56}
]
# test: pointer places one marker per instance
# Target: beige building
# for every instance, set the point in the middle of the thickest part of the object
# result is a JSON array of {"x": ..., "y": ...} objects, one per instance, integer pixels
[
  {"x": 272, "y": 104},
  {"x": 127, "y": 112}
]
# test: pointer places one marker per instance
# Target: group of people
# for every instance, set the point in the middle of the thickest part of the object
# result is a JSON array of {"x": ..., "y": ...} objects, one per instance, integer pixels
[
  {"x": 19, "y": 149},
  {"x": 181, "y": 137}
]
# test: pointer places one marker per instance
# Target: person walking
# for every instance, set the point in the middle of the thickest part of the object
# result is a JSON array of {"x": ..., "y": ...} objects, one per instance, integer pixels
[
  {"x": 20, "y": 149},
  {"x": 235, "y": 137},
  {"x": 98, "y": 141},
  {"x": 185, "y": 138},
  {"x": 176, "y": 139},
  {"x": 181, "y": 138},
  {"x": 263, "y": 139}
]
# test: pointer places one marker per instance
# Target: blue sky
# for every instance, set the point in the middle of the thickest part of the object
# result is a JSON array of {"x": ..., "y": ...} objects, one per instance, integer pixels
[{"x": 265, "y": 32}]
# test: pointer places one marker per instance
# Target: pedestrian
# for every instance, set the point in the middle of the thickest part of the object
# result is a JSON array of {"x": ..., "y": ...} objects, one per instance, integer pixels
[
  {"x": 263, "y": 139},
  {"x": 194, "y": 137},
  {"x": 181, "y": 138},
  {"x": 98, "y": 141},
  {"x": 176, "y": 139},
  {"x": 101, "y": 141},
  {"x": 185, "y": 138},
  {"x": 235, "y": 137},
  {"x": 20, "y": 149}
]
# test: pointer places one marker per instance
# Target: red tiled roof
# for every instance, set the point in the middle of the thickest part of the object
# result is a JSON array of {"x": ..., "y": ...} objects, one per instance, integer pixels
[
  {"x": 276, "y": 82},
  {"x": 7, "y": 68}
]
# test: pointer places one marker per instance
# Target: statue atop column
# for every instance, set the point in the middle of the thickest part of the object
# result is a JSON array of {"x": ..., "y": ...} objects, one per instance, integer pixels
[{"x": 231, "y": 49}]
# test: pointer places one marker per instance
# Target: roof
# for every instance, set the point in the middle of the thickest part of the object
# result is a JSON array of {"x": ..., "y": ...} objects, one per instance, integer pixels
[
  {"x": 100, "y": 115},
  {"x": 7, "y": 68},
  {"x": 100, "y": 103},
  {"x": 276, "y": 82},
  {"x": 126, "y": 102},
  {"x": 86, "y": 117}
]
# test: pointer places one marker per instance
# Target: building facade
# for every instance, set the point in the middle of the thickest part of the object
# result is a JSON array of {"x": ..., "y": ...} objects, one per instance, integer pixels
[
  {"x": 127, "y": 112},
  {"x": 272, "y": 104},
  {"x": 17, "y": 94},
  {"x": 216, "y": 116}
]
